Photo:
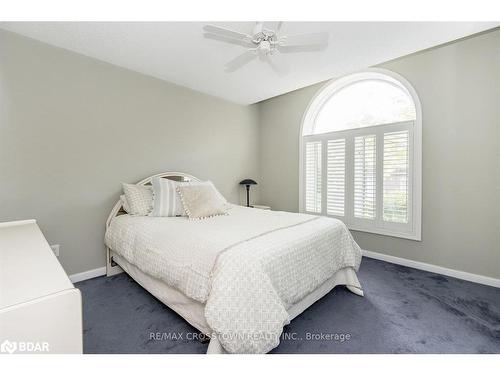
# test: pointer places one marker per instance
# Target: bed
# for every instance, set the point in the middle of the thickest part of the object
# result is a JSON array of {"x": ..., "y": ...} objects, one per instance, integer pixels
[{"x": 237, "y": 278}]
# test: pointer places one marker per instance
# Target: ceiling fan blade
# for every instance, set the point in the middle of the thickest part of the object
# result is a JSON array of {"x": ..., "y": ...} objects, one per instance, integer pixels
[
  {"x": 306, "y": 39},
  {"x": 278, "y": 27},
  {"x": 224, "y": 39},
  {"x": 240, "y": 60},
  {"x": 226, "y": 32},
  {"x": 277, "y": 64},
  {"x": 302, "y": 48},
  {"x": 258, "y": 27}
]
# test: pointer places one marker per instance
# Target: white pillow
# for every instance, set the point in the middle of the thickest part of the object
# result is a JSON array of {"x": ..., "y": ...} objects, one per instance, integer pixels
[
  {"x": 125, "y": 205},
  {"x": 139, "y": 198},
  {"x": 201, "y": 201},
  {"x": 166, "y": 199},
  {"x": 217, "y": 193}
]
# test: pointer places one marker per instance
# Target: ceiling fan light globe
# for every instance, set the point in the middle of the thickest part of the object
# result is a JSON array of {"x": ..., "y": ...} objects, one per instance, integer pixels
[{"x": 265, "y": 46}]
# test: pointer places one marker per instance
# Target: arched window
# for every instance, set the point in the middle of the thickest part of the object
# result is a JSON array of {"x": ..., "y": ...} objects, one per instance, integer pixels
[{"x": 361, "y": 144}]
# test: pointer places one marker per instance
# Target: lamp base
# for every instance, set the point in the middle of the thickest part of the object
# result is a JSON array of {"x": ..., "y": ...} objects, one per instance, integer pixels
[{"x": 248, "y": 195}]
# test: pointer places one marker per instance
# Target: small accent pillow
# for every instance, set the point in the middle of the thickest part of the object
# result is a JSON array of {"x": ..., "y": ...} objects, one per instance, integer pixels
[
  {"x": 201, "y": 201},
  {"x": 125, "y": 205},
  {"x": 139, "y": 199}
]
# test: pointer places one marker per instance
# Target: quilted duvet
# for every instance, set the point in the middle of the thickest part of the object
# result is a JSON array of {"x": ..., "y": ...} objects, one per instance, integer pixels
[{"x": 248, "y": 267}]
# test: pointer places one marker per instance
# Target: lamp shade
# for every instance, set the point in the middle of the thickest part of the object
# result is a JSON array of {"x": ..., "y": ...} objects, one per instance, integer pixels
[{"x": 248, "y": 181}]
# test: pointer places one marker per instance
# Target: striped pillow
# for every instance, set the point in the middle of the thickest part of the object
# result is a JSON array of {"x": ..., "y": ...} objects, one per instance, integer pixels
[{"x": 166, "y": 200}]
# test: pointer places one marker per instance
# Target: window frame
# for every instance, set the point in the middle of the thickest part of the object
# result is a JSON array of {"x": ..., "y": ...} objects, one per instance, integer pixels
[{"x": 412, "y": 230}]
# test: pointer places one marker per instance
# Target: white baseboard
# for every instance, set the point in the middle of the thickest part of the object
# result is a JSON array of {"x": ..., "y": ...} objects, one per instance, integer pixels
[
  {"x": 90, "y": 274},
  {"x": 486, "y": 280}
]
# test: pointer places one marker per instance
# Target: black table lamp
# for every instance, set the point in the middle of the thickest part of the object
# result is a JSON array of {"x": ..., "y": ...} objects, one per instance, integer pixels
[{"x": 247, "y": 183}]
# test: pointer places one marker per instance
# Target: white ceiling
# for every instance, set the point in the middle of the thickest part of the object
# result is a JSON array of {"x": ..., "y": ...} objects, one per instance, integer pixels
[{"x": 177, "y": 51}]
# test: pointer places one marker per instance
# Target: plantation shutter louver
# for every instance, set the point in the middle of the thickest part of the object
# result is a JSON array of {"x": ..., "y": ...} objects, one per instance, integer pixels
[
  {"x": 365, "y": 177},
  {"x": 335, "y": 177},
  {"x": 396, "y": 177},
  {"x": 313, "y": 176}
]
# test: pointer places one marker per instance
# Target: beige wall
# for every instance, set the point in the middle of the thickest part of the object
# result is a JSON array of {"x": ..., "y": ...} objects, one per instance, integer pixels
[
  {"x": 72, "y": 128},
  {"x": 459, "y": 87}
]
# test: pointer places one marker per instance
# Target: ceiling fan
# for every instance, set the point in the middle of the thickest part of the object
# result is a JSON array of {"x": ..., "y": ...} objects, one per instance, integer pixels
[{"x": 264, "y": 43}]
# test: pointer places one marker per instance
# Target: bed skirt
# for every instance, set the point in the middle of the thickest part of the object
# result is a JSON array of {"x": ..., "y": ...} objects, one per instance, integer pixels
[{"x": 194, "y": 312}]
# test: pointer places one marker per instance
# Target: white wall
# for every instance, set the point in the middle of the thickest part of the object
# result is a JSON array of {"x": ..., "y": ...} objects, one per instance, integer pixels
[
  {"x": 459, "y": 87},
  {"x": 73, "y": 128}
]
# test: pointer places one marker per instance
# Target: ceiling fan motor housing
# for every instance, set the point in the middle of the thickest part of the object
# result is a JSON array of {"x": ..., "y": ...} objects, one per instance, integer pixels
[{"x": 266, "y": 41}]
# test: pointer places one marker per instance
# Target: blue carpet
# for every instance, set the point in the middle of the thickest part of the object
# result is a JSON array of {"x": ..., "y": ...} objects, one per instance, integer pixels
[{"x": 404, "y": 311}]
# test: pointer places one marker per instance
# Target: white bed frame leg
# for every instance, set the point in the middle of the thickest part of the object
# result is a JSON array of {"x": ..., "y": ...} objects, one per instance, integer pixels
[
  {"x": 111, "y": 269},
  {"x": 355, "y": 290}
]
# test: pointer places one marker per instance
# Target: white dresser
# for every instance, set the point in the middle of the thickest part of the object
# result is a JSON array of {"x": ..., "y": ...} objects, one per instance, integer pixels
[{"x": 40, "y": 310}]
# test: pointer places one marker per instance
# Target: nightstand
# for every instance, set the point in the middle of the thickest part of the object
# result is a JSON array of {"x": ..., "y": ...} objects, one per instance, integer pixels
[{"x": 261, "y": 207}]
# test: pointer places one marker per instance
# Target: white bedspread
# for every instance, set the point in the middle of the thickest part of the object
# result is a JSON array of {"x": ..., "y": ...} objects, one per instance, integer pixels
[{"x": 248, "y": 267}]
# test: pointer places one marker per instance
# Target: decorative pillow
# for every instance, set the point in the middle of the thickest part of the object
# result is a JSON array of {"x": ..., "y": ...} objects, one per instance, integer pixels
[
  {"x": 217, "y": 192},
  {"x": 125, "y": 205},
  {"x": 139, "y": 199},
  {"x": 201, "y": 201},
  {"x": 166, "y": 201}
]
